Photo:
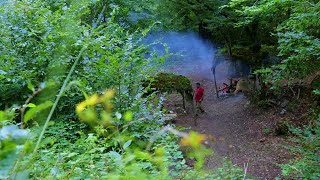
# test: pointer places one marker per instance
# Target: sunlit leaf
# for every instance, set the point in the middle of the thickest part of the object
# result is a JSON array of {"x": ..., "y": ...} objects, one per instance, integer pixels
[
  {"x": 127, "y": 144},
  {"x": 32, "y": 112}
]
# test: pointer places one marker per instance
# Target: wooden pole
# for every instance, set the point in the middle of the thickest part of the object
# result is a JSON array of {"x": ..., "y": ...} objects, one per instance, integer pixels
[{"x": 213, "y": 69}]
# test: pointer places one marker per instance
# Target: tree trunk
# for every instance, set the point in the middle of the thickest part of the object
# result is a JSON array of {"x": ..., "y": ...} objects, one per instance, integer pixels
[
  {"x": 184, "y": 100},
  {"x": 229, "y": 45}
]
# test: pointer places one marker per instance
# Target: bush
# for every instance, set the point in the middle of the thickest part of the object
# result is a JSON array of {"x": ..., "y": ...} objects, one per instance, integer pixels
[{"x": 306, "y": 150}]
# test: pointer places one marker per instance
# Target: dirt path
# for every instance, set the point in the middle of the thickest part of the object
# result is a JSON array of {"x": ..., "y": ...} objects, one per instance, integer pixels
[{"x": 238, "y": 130}]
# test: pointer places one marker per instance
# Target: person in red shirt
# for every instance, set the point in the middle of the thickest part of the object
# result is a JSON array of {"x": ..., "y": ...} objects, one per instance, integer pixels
[{"x": 198, "y": 97}]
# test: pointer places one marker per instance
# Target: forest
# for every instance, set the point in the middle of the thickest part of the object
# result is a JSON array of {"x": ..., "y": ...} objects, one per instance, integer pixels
[{"x": 106, "y": 89}]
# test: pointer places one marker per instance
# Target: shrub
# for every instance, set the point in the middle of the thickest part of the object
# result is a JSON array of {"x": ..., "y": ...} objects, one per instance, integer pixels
[{"x": 306, "y": 150}]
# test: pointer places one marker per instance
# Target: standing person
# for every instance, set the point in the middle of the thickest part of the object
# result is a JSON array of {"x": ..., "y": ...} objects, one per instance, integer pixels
[{"x": 198, "y": 97}]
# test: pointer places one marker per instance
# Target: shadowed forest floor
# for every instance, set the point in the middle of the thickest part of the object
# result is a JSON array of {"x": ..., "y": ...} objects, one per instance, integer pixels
[{"x": 238, "y": 131}]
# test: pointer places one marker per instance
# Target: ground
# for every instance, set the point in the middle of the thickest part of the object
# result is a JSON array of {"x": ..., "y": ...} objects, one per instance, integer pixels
[{"x": 240, "y": 132}]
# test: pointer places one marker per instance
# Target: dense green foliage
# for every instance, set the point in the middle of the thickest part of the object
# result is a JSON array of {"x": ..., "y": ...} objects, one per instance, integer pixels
[
  {"x": 306, "y": 164},
  {"x": 296, "y": 27},
  {"x": 64, "y": 54},
  {"x": 170, "y": 82},
  {"x": 281, "y": 39}
]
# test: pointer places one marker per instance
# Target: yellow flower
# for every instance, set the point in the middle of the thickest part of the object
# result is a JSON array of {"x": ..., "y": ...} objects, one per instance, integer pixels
[
  {"x": 194, "y": 139},
  {"x": 94, "y": 99},
  {"x": 81, "y": 106},
  {"x": 108, "y": 94}
]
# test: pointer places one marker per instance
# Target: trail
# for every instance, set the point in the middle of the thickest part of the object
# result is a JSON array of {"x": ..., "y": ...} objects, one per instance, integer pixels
[{"x": 237, "y": 129}]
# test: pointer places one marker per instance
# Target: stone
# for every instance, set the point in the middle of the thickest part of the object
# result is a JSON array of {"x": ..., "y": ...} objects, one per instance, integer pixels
[
  {"x": 180, "y": 110},
  {"x": 262, "y": 140},
  {"x": 247, "y": 104},
  {"x": 283, "y": 112},
  {"x": 284, "y": 104}
]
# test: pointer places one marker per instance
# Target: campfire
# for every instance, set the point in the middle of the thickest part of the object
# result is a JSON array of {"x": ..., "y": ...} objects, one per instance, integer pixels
[{"x": 226, "y": 89}]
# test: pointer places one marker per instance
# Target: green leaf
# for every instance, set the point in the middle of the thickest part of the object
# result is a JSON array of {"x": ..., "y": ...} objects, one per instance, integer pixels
[
  {"x": 145, "y": 31},
  {"x": 71, "y": 155},
  {"x": 31, "y": 113},
  {"x": 6, "y": 115},
  {"x": 128, "y": 116},
  {"x": 317, "y": 91},
  {"x": 31, "y": 105},
  {"x": 31, "y": 87},
  {"x": 127, "y": 144},
  {"x": 115, "y": 154}
]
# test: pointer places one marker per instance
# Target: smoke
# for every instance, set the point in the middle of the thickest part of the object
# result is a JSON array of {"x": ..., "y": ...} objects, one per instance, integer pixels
[{"x": 193, "y": 56}]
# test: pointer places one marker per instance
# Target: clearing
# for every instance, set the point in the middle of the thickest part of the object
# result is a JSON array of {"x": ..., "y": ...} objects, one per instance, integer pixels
[{"x": 240, "y": 131}]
